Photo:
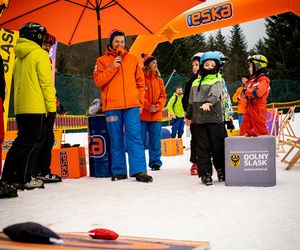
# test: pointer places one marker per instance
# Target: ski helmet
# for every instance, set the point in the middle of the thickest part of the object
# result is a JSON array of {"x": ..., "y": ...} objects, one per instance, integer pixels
[
  {"x": 197, "y": 56},
  {"x": 210, "y": 56},
  {"x": 259, "y": 61},
  {"x": 34, "y": 32},
  {"x": 222, "y": 56}
]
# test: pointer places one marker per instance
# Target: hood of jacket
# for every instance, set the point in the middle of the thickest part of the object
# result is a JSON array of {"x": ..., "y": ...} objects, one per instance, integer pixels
[{"x": 24, "y": 46}]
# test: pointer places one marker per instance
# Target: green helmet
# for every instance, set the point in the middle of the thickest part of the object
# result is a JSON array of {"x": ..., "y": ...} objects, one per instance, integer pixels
[{"x": 259, "y": 61}]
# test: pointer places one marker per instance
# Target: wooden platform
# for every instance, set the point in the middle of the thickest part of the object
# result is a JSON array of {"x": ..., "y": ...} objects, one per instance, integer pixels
[{"x": 76, "y": 241}]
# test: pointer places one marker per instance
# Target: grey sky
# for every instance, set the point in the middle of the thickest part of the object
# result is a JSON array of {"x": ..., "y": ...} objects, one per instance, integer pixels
[{"x": 253, "y": 31}]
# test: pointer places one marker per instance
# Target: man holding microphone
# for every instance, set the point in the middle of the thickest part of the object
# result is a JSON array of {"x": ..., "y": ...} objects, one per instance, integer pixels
[{"x": 121, "y": 81}]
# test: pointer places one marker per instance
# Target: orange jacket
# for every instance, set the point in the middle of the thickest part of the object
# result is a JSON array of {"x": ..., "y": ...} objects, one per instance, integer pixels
[
  {"x": 254, "y": 119},
  {"x": 258, "y": 89},
  {"x": 242, "y": 101},
  {"x": 155, "y": 95},
  {"x": 122, "y": 87}
]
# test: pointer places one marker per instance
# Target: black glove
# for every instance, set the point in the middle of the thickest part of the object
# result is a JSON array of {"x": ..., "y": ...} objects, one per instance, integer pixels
[
  {"x": 230, "y": 125},
  {"x": 51, "y": 118}
]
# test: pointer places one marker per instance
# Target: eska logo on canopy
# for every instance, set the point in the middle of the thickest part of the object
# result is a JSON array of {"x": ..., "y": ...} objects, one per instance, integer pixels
[{"x": 209, "y": 15}]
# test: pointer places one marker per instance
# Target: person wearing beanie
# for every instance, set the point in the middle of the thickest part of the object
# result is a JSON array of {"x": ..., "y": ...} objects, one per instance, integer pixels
[
  {"x": 205, "y": 109},
  {"x": 122, "y": 85},
  {"x": 195, "y": 69},
  {"x": 241, "y": 101},
  {"x": 151, "y": 116},
  {"x": 34, "y": 107},
  {"x": 256, "y": 91},
  {"x": 176, "y": 111}
]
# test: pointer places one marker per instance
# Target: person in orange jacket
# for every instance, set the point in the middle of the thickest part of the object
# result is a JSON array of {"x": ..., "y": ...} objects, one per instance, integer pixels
[
  {"x": 241, "y": 101},
  {"x": 121, "y": 81},
  {"x": 151, "y": 116},
  {"x": 256, "y": 92}
]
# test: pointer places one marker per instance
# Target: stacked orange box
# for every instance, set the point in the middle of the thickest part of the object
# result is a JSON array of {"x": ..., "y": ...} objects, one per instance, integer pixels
[
  {"x": 10, "y": 136},
  {"x": 69, "y": 162},
  {"x": 235, "y": 132},
  {"x": 170, "y": 147}
]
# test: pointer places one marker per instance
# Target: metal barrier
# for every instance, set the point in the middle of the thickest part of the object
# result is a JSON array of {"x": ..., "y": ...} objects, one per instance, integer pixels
[
  {"x": 62, "y": 122},
  {"x": 72, "y": 122}
]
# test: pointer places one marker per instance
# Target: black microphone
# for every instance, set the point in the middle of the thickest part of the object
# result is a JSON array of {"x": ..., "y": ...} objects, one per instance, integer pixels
[{"x": 119, "y": 54}]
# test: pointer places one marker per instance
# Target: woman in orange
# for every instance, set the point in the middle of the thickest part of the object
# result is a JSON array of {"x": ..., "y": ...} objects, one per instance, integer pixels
[
  {"x": 151, "y": 116},
  {"x": 241, "y": 101}
]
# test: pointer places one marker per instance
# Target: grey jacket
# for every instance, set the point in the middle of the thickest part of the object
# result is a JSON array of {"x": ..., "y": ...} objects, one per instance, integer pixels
[{"x": 209, "y": 92}]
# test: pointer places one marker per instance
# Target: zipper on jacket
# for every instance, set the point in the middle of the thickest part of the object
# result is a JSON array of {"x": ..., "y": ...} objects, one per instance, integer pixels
[
  {"x": 106, "y": 96},
  {"x": 123, "y": 85},
  {"x": 151, "y": 90}
]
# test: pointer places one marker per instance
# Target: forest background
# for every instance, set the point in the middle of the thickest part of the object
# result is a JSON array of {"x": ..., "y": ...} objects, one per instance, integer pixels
[{"x": 281, "y": 45}]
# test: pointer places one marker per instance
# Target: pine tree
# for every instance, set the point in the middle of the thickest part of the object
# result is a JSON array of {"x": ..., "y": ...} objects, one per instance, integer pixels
[
  {"x": 237, "y": 55},
  {"x": 283, "y": 46},
  {"x": 211, "y": 43},
  {"x": 178, "y": 54},
  {"x": 259, "y": 48},
  {"x": 221, "y": 45}
]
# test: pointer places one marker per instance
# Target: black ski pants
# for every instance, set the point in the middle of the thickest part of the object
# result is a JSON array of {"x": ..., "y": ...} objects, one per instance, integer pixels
[
  {"x": 22, "y": 159},
  {"x": 210, "y": 147}
]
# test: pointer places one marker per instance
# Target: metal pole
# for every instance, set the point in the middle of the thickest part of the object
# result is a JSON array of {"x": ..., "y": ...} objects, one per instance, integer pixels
[
  {"x": 173, "y": 72},
  {"x": 99, "y": 28}
]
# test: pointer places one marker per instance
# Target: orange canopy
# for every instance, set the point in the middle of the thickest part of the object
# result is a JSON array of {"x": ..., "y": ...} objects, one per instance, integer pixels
[
  {"x": 75, "y": 21},
  {"x": 203, "y": 19}
]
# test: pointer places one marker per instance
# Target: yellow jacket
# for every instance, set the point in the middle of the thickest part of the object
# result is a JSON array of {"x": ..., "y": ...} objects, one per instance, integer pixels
[{"x": 34, "y": 91}]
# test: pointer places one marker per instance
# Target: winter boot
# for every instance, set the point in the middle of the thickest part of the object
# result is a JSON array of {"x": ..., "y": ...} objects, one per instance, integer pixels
[
  {"x": 118, "y": 177},
  {"x": 143, "y": 177},
  {"x": 32, "y": 184},
  {"x": 49, "y": 178},
  {"x": 155, "y": 167},
  {"x": 221, "y": 176},
  {"x": 179, "y": 135},
  {"x": 206, "y": 179},
  {"x": 7, "y": 191},
  {"x": 194, "y": 169}
]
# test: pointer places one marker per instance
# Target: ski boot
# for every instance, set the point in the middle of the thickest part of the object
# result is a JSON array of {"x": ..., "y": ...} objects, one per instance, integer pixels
[
  {"x": 206, "y": 179},
  {"x": 194, "y": 169},
  {"x": 221, "y": 176},
  {"x": 143, "y": 177},
  {"x": 119, "y": 177},
  {"x": 7, "y": 191},
  {"x": 49, "y": 178},
  {"x": 32, "y": 184}
]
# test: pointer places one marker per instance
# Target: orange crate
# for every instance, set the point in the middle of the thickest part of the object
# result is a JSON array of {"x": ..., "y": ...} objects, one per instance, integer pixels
[
  {"x": 170, "y": 147},
  {"x": 10, "y": 136},
  {"x": 69, "y": 162},
  {"x": 235, "y": 132}
]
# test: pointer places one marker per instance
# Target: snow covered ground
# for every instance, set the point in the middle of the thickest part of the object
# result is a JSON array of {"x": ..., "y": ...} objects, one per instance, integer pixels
[{"x": 175, "y": 206}]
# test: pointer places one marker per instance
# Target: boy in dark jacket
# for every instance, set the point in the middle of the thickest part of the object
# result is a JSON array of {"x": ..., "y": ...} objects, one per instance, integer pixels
[{"x": 205, "y": 108}]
